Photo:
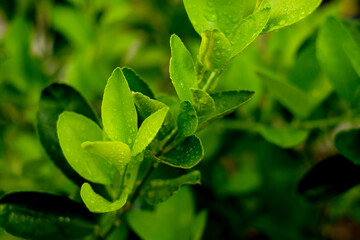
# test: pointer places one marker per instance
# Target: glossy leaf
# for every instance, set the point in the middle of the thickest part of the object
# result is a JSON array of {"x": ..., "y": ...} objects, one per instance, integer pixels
[
  {"x": 187, "y": 120},
  {"x": 249, "y": 28},
  {"x": 73, "y": 130},
  {"x": 182, "y": 70},
  {"x": 34, "y": 215},
  {"x": 185, "y": 155},
  {"x": 214, "y": 14},
  {"x": 160, "y": 190},
  {"x": 285, "y": 137},
  {"x": 116, "y": 153},
  {"x": 118, "y": 109},
  {"x": 135, "y": 82},
  {"x": 215, "y": 50},
  {"x": 53, "y": 101},
  {"x": 148, "y": 130},
  {"x": 334, "y": 60},
  {"x": 145, "y": 105},
  {"x": 225, "y": 103},
  {"x": 96, "y": 203},
  {"x": 329, "y": 178},
  {"x": 287, "y": 12},
  {"x": 348, "y": 142},
  {"x": 203, "y": 102}
]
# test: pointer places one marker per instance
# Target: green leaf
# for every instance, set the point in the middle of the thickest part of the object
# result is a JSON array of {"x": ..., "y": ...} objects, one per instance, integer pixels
[
  {"x": 185, "y": 155},
  {"x": 306, "y": 74},
  {"x": 34, "y": 215},
  {"x": 204, "y": 104},
  {"x": 249, "y": 28},
  {"x": 285, "y": 137},
  {"x": 199, "y": 225},
  {"x": 118, "y": 109},
  {"x": 225, "y": 103},
  {"x": 215, "y": 50},
  {"x": 53, "y": 101},
  {"x": 187, "y": 120},
  {"x": 160, "y": 190},
  {"x": 161, "y": 223},
  {"x": 96, "y": 203},
  {"x": 295, "y": 100},
  {"x": 353, "y": 52},
  {"x": 148, "y": 130},
  {"x": 182, "y": 70},
  {"x": 347, "y": 142},
  {"x": 214, "y": 14},
  {"x": 116, "y": 153},
  {"x": 72, "y": 24},
  {"x": 329, "y": 178},
  {"x": 145, "y": 105},
  {"x": 73, "y": 130},
  {"x": 135, "y": 82},
  {"x": 287, "y": 12},
  {"x": 333, "y": 59}
]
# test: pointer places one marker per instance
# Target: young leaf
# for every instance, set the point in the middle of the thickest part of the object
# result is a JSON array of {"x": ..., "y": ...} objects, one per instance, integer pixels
[
  {"x": 136, "y": 84},
  {"x": 214, "y": 14},
  {"x": 73, "y": 130},
  {"x": 185, "y": 155},
  {"x": 187, "y": 120},
  {"x": 145, "y": 105},
  {"x": 160, "y": 190},
  {"x": 148, "y": 130},
  {"x": 331, "y": 40},
  {"x": 96, "y": 203},
  {"x": 116, "y": 153},
  {"x": 34, "y": 215},
  {"x": 118, "y": 110},
  {"x": 348, "y": 142},
  {"x": 53, "y": 101},
  {"x": 204, "y": 104},
  {"x": 329, "y": 178},
  {"x": 225, "y": 103},
  {"x": 287, "y": 12},
  {"x": 249, "y": 28},
  {"x": 182, "y": 70},
  {"x": 215, "y": 50},
  {"x": 283, "y": 137}
]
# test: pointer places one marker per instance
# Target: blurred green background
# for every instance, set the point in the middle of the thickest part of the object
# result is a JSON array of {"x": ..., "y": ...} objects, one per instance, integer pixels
[{"x": 253, "y": 158}]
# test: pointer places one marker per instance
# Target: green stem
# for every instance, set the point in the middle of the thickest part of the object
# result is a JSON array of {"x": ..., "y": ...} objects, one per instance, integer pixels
[
  {"x": 116, "y": 221},
  {"x": 142, "y": 183},
  {"x": 210, "y": 81}
]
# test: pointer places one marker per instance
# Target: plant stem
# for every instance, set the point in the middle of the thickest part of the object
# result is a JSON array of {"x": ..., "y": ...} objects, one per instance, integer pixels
[
  {"x": 138, "y": 189},
  {"x": 210, "y": 81},
  {"x": 120, "y": 214}
]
